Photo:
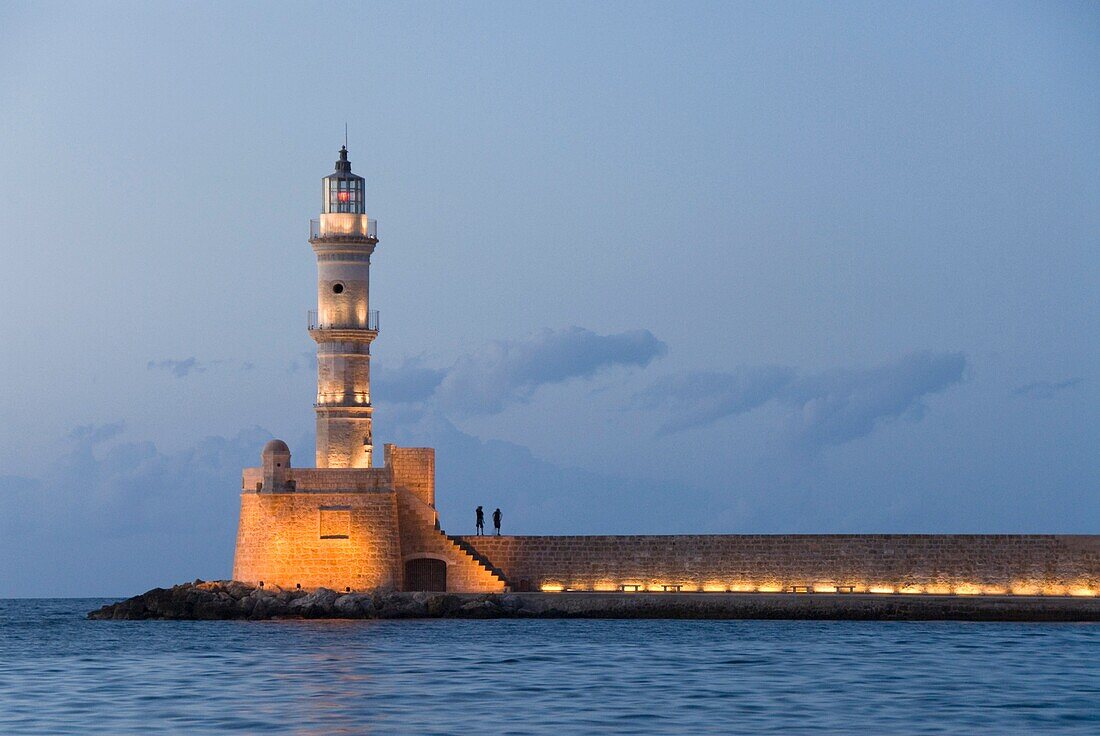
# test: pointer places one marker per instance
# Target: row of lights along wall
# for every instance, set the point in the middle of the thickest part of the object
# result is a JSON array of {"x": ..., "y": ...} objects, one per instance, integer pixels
[{"x": 960, "y": 589}]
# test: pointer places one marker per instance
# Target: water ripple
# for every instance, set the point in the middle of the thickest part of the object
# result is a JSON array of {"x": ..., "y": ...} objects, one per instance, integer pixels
[{"x": 62, "y": 674}]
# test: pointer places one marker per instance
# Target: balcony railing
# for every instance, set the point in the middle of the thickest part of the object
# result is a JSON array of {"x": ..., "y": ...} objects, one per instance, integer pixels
[
  {"x": 343, "y": 322},
  {"x": 343, "y": 398},
  {"x": 351, "y": 229}
]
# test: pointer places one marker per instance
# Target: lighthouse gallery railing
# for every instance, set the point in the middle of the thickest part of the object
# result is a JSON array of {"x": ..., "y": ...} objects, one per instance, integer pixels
[
  {"x": 360, "y": 228},
  {"x": 343, "y": 322}
]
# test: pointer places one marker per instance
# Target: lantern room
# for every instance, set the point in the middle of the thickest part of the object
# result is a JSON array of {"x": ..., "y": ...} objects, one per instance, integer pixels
[
  {"x": 343, "y": 209},
  {"x": 342, "y": 191}
]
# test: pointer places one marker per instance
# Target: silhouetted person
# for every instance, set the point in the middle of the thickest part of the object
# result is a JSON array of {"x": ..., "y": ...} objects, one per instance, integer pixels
[
  {"x": 496, "y": 521},
  {"x": 480, "y": 521}
]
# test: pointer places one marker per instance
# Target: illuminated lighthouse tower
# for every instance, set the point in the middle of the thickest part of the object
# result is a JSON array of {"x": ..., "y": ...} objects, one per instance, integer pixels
[{"x": 343, "y": 324}]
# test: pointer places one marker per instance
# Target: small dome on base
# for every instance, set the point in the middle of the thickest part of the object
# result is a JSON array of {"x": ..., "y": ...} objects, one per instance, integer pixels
[{"x": 274, "y": 447}]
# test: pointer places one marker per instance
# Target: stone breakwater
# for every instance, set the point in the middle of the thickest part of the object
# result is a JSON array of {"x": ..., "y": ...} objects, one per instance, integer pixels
[
  {"x": 933, "y": 564},
  {"x": 235, "y": 600}
]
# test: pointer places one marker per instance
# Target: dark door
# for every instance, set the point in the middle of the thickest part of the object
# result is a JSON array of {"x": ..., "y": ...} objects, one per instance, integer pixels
[{"x": 425, "y": 573}]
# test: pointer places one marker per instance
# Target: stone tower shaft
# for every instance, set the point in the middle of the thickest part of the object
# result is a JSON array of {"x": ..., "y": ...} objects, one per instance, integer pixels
[{"x": 343, "y": 325}]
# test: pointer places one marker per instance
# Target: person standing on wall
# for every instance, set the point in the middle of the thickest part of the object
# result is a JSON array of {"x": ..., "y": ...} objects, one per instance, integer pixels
[
  {"x": 496, "y": 521},
  {"x": 480, "y": 521}
]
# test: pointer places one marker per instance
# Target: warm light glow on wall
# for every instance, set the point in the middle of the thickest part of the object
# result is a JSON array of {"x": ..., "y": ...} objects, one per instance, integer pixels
[
  {"x": 1025, "y": 587},
  {"x": 283, "y": 539},
  {"x": 343, "y": 223},
  {"x": 772, "y": 586}
]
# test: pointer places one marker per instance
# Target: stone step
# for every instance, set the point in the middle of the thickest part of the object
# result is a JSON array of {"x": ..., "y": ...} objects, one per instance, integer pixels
[
  {"x": 417, "y": 507},
  {"x": 475, "y": 569},
  {"x": 493, "y": 573},
  {"x": 479, "y": 558}
]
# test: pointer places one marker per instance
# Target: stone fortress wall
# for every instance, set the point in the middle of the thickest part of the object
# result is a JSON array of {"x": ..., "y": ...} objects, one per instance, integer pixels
[
  {"x": 344, "y": 528},
  {"x": 334, "y": 540},
  {"x": 377, "y": 528},
  {"x": 881, "y": 563}
]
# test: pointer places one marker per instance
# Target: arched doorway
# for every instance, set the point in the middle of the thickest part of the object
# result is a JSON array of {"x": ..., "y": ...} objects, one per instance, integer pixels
[{"x": 424, "y": 573}]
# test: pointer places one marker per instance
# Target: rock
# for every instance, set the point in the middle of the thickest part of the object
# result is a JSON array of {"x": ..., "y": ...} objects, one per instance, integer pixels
[
  {"x": 268, "y": 606},
  {"x": 511, "y": 603},
  {"x": 236, "y": 600},
  {"x": 484, "y": 608},
  {"x": 244, "y": 607},
  {"x": 318, "y": 604},
  {"x": 396, "y": 605},
  {"x": 434, "y": 605},
  {"x": 238, "y": 590},
  {"x": 352, "y": 605}
]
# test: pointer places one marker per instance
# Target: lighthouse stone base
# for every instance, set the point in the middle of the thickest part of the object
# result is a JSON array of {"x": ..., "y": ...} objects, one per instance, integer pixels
[{"x": 350, "y": 528}]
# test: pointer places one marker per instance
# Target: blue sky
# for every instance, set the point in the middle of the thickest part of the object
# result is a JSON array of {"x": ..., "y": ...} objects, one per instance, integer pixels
[{"x": 643, "y": 267}]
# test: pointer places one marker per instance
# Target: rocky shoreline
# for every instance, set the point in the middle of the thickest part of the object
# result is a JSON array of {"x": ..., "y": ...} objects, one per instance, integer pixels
[{"x": 225, "y": 600}]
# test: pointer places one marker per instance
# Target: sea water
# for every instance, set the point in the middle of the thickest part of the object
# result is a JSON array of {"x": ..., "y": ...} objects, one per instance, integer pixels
[{"x": 60, "y": 673}]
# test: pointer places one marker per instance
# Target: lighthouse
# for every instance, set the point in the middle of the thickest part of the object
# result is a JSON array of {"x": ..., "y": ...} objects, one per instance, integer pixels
[
  {"x": 344, "y": 524},
  {"x": 343, "y": 325}
]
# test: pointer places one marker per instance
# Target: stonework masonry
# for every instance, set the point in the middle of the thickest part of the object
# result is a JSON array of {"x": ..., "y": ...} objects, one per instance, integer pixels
[
  {"x": 348, "y": 527},
  {"x": 343, "y": 325},
  {"x": 903, "y": 563},
  {"x": 282, "y": 540},
  {"x": 413, "y": 470},
  {"x": 361, "y": 528}
]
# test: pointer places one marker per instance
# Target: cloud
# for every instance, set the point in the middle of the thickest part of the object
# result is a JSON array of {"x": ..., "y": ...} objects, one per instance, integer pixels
[
  {"x": 839, "y": 406},
  {"x": 510, "y": 371},
  {"x": 178, "y": 368},
  {"x": 94, "y": 434},
  {"x": 1045, "y": 389},
  {"x": 305, "y": 361},
  {"x": 542, "y": 497},
  {"x": 410, "y": 382},
  {"x": 701, "y": 398},
  {"x": 829, "y": 408},
  {"x": 110, "y": 516}
]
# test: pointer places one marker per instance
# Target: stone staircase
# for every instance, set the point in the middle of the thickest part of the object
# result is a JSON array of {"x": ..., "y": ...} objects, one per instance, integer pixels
[
  {"x": 480, "y": 559},
  {"x": 469, "y": 572},
  {"x": 410, "y": 504}
]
